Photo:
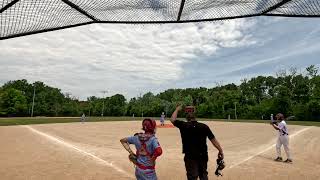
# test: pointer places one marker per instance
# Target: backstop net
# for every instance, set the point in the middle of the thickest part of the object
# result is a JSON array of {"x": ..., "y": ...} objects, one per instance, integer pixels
[{"x": 24, "y": 17}]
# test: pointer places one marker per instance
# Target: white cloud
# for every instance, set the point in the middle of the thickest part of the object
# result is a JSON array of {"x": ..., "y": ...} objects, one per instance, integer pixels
[{"x": 121, "y": 58}]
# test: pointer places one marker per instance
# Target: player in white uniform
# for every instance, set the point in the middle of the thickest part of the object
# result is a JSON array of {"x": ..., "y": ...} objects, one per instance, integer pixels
[
  {"x": 83, "y": 118},
  {"x": 162, "y": 119},
  {"x": 283, "y": 138}
]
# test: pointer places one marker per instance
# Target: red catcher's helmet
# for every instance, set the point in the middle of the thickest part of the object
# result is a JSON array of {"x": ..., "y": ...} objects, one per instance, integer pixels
[{"x": 149, "y": 125}]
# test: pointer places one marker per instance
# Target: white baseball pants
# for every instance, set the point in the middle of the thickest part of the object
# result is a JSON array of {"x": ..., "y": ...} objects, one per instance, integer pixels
[{"x": 283, "y": 140}]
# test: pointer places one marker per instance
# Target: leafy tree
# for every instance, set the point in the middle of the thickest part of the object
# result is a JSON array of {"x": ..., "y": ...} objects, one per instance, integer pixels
[
  {"x": 116, "y": 105},
  {"x": 289, "y": 92},
  {"x": 313, "y": 110},
  {"x": 312, "y": 71},
  {"x": 13, "y": 102}
]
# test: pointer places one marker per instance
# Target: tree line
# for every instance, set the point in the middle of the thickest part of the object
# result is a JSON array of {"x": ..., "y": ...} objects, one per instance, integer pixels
[{"x": 292, "y": 93}]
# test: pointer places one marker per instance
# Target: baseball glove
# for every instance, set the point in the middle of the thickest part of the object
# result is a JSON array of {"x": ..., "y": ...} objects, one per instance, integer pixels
[{"x": 133, "y": 158}]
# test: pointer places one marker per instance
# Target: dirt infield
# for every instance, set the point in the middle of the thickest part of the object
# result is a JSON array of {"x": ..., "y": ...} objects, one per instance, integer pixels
[{"x": 92, "y": 151}]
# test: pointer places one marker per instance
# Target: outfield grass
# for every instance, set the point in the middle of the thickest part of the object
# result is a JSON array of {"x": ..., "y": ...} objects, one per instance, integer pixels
[
  {"x": 48, "y": 120},
  {"x": 302, "y": 123}
]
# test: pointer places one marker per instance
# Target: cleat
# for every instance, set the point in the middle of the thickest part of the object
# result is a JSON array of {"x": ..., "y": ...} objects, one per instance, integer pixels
[
  {"x": 278, "y": 159},
  {"x": 288, "y": 161}
]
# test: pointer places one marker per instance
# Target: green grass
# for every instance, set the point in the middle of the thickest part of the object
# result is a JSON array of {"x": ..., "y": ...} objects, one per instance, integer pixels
[
  {"x": 45, "y": 120},
  {"x": 301, "y": 123}
]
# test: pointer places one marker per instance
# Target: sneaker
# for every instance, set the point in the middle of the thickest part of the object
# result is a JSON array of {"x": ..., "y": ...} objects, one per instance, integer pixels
[
  {"x": 278, "y": 159},
  {"x": 288, "y": 161}
]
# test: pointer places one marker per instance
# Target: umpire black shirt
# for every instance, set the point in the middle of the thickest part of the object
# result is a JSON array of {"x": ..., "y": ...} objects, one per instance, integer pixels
[{"x": 194, "y": 137}]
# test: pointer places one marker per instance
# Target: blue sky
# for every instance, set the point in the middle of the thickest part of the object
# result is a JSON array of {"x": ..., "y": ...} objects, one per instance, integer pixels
[
  {"x": 281, "y": 43},
  {"x": 130, "y": 59}
]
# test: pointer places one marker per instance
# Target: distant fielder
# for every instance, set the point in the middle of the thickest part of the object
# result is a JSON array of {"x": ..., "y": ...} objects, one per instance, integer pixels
[
  {"x": 162, "y": 119},
  {"x": 148, "y": 149},
  {"x": 83, "y": 118},
  {"x": 283, "y": 138}
]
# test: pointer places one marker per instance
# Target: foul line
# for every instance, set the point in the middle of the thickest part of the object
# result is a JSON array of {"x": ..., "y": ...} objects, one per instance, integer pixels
[
  {"x": 96, "y": 158},
  {"x": 270, "y": 147}
]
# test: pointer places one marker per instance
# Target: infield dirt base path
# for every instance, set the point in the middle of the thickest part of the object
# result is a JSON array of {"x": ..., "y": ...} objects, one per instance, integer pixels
[{"x": 92, "y": 151}]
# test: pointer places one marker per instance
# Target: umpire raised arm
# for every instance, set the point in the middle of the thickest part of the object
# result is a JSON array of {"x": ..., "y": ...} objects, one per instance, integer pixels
[{"x": 194, "y": 143}]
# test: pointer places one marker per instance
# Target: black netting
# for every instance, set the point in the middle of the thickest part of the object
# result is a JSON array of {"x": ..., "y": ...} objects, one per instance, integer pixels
[
  {"x": 4, "y": 3},
  {"x": 208, "y": 9},
  {"x": 33, "y": 15},
  {"x": 299, "y": 7},
  {"x": 23, "y": 17},
  {"x": 131, "y": 10}
]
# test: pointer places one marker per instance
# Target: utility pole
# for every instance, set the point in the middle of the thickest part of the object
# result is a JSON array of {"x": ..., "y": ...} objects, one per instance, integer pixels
[
  {"x": 34, "y": 94},
  {"x": 104, "y": 92},
  {"x": 141, "y": 104},
  {"x": 235, "y": 110}
]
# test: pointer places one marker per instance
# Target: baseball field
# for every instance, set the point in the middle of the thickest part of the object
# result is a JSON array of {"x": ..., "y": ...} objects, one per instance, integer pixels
[{"x": 92, "y": 151}]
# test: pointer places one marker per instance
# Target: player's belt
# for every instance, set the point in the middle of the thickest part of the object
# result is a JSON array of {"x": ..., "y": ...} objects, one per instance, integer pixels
[
  {"x": 143, "y": 167},
  {"x": 283, "y": 133}
]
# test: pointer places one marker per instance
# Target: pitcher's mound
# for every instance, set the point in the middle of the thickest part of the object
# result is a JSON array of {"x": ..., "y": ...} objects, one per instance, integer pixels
[{"x": 165, "y": 126}]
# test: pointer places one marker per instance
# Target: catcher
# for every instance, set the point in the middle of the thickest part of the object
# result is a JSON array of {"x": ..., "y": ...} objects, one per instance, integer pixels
[{"x": 148, "y": 149}]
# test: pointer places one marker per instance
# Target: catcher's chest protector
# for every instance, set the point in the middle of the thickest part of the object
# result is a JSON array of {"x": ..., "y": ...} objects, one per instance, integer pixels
[{"x": 143, "y": 150}]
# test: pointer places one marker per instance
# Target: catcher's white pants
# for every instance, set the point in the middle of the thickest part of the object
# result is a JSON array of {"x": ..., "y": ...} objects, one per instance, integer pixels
[{"x": 283, "y": 140}]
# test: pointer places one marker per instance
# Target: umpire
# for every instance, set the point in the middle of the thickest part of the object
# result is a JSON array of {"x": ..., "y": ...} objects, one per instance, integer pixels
[{"x": 194, "y": 143}]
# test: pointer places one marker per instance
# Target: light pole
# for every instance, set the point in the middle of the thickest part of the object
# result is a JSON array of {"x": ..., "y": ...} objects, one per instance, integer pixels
[
  {"x": 141, "y": 105},
  {"x": 235, "y": 110},
  {"x": 104, "y": 92},
  {"x": 34, "y": 94}
]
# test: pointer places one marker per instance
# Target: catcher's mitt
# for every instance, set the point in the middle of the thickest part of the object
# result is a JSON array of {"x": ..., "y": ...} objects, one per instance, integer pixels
[
  {"x": 220, "y": 167},
  {"x": 133, "y": 158}
]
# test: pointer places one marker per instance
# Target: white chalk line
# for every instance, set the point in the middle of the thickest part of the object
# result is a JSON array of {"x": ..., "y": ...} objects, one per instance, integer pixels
[
  {"x": 267, "y": 149},
  {"x": 83, "y": 152}
]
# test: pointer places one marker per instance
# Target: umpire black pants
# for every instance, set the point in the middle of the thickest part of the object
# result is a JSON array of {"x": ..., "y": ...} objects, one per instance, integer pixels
[{"x": 196, "y": 166}]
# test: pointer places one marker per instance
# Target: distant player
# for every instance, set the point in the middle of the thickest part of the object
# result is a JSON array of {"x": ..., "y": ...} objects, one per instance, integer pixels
[
  {"x": 148, "y": 149},
  {"x": 83, "y": 118},
  {"x": 283, "y": 138},
  {"x": 162, "y": 119}
]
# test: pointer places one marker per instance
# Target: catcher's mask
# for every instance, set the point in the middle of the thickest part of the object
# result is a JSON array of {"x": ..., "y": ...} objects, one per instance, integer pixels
[
  {"x": 220, "y": 167},
  {"x": 149, "y": 125}
]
